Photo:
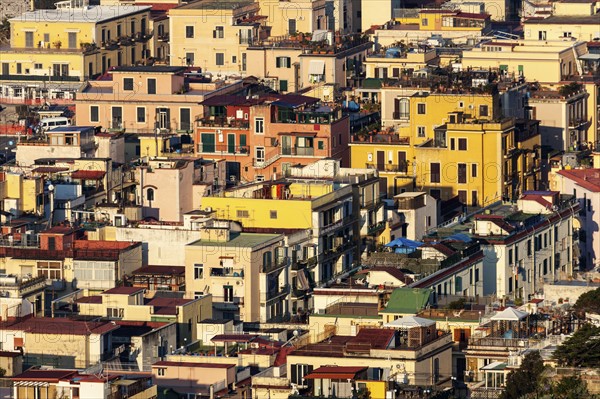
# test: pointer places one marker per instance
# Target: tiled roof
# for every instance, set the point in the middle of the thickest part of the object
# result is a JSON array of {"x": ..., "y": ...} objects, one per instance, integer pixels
[
  {"x": 408, "y": 300},
  {"x": 102, "y": 245},
  {"x": 158, "y": 269},
  {"x": 88, "y": 174},
  {"x": 89, "y": 299},
  {"x": 586, "y": 178},
  {"x": 45, "y": 375},
  {"x": 48, "y": 325},
  {"x": 123, "y": 290},
  {"x": 335, "y": 373}
]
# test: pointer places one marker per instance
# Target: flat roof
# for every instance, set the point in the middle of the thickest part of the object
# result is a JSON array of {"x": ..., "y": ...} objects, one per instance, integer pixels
[
  {"x": 248, "y": 240},
  {"x": 149, "y": 68},
  {"x": 93, "y": 14},
  {"x": 566, "y": 20},
  {"x": 215, "y": 4},
  {"x": 70, "y": 129},
  {"x": 159, "y": 269},
  {"x": 59, "y": 326},
  {"x": 123, "y": 290},
  {"x": 165, "y": 363}
]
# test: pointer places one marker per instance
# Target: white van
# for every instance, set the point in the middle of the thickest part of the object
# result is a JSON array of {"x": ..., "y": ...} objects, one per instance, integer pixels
[{"x": 51, "y": 123}]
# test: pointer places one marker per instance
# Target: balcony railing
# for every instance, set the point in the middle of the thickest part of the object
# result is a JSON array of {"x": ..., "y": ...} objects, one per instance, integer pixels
[
  {"x": 500, "y": 342},
  {"x": 401, "y": 168},
  {"x": 279, "y": 263},
  {"x": 304, "y": 263},
  {"x": 232, "y": 123},
  {"x": 223, "y": 149},
  {"x": 269, "y": 295},
  {"x": 298, "y": 293},
  {"x": 376, "y": 228}
]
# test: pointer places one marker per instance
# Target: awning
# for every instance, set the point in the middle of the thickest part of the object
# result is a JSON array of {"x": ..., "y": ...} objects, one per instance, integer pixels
[
  {"x": 590, "y": 57},
  {"x": 509, "y": 314},
  {"x": 316, "y": 67},
  {"x": 334, "y": 373},
  {"x": 319, "y": 35},
  {"x": 88, "y": 174}
]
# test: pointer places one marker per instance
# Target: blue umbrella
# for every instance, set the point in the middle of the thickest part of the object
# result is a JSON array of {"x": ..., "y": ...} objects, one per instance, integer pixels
[{"x": 403, "y": 242}]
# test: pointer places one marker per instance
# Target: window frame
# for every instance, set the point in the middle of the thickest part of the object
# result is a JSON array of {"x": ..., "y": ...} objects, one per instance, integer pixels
[{"x": 190, "y": 31}]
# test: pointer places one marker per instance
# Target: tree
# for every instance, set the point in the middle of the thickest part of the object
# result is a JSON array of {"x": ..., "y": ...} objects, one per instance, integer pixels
[
  {"x": 589, "y": 302},
  {"x": 582, "y": 349},
  {"x": 570, "y": 388},
  {"x": 525, "y": 379}
]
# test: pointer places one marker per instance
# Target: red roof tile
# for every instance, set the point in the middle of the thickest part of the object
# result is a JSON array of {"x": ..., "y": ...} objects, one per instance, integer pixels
[
  {"x": 89, "y": 299},
  {"x": 157, "y": 269},
  {"x": 234, "y": 338},
  {"x": 103, "y": 245},
  {"x": 49, "y": 169},
  {"x": 530, "y": 197},
  {"x": 335, "y": 373},
  {"x": 65, "y": 230},
  {"x": 48, "y": 325},
  {"x": 88, "y": 174},
  {"x": 586, "y": 178},
  {"x": 45, "y": 375}
]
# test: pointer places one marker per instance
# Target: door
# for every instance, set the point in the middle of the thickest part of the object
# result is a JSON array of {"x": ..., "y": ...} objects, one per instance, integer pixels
[
  {"x": 117, "y": 117},
  {"x": 260, "y": 154},
  {"x": 185, "y": 119},
  {"x": 286, "y": 145},
  {"x": 402, "y": 167},
  {"x": 231, "y": 143},
  {"x": 380, "y": 160},
  {"x": 72, "y": 40},
  {"x": 208, "y": 142},
  {"x": 163, "y": 118}
]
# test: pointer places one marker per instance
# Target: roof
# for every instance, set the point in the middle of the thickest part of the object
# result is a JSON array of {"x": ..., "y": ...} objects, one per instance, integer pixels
[
  {"x": 158, "y": 269},
  {"x": 410, "y": 322},
  {"x": 377, "y": 338},
  {"x": 89, "y": 299},
  {"x": 51, "y": 326},
  {"x": 10, "y": 354},
  {"x": 149, "y": 68},
  {"x": 540, "y": 200},
  {"x": 495, "y": 366},
  {"x": 215, "y": 4},
  {"x": 164, "y": 363},
  {"x": 335, "y": 373},
  {"x": 295, "y": 100},
  {"x": 234, "y": 338},
  {"x": 94, "y": 14},
  {"x": 123, "y": 291},
  {"x": 509, "y": 314},
  {"x": 392, "y": 271},
  {"x": 49, "y": 169},
  {"x": 565, "y": 20},
  {"x": 585, "y": 178},
  {"x": 88, "y": 174},
  {"x": 167, "y": 306},
  {"x": 240, "y": 240},
  {"x": 231, "y": 99},
  {"x": 65, "y": 230},
  {"x": 45, "y": 375},
  {"x": 407, "y": 300}
]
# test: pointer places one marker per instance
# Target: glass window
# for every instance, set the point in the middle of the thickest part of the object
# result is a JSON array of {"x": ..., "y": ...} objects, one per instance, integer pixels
[
  {"x": 259, "y": 125},
  {"x": 94, "y": 113},
  {"x": 220, "y": 59},
  {"x": 421, "y": 109},
  {"x": 151, "y": 86},
  {"x": 141, "y": 114},
  {"x": 189, "y": 32},
  {"x": 128, "y": 84}
]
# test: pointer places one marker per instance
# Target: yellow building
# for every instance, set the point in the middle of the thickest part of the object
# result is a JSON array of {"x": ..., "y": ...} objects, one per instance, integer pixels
[
  {"x": 214, "y": 35},
  {"x": 286, "y": 17},
  {"x": 550, "y": 61},
  {"x": 391, "y": 62},
  {"x": 20, "y": 193},
  {"x": 56, "y": 49},
  {"x": 564, "y": 27}
]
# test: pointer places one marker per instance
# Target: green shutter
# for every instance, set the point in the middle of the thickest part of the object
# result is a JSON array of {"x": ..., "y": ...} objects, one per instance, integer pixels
[
  {"x": 504, "y": 67},
  {"x": 283, "y": 85},
  {"x": 242, "y": 140},
  {"x": 208, "y": 142}
]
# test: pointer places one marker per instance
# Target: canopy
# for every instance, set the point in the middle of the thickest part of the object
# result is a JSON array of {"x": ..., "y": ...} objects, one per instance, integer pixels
[
  {"x": 410, "y": 322},
  {"x": 509, "y": 314},
  {"x": 316, "y": 67}
]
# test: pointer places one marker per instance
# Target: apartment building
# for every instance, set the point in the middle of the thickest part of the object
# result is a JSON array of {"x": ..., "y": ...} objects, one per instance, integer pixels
[
  {"x": 294, "y": 62},
  {"x": 191, "y": 378},
  {"x": 70, "y": 383},
  {"x": 285, "y": 18},
  {"x": 52, "y": 51},
  {"x": 562, "y": 26},
  {"x": 222, "y": 29},
  {"x": 165, "y": 98},
  {"x": 393, "y": 61},
  {"x": 373, "y": 354},
  {"x": 131, "y": 304},
  {"x": 62, "y": 258},
  {"x": 584, "y": 184},
  {"x": 416, "y": 25},
  {"x": 552, "y": 62},
  {"x": 21, "y": 193},
  {"x": 429, "y": 138},
  {"x": 247, "y": 274},
  {"x": 525, "y": 244},
  {"x": 261, "y": 138}
]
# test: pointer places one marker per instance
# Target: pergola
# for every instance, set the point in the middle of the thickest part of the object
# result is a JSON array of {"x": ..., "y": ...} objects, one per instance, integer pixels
[{"x": 510, "y": 323}]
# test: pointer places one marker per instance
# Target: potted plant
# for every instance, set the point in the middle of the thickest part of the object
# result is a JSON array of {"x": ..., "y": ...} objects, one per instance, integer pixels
[{"x": 57, "y": 44}]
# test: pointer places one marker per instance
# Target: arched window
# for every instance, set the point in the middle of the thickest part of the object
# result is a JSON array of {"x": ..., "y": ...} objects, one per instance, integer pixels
[{"x": 150, "y": 194}]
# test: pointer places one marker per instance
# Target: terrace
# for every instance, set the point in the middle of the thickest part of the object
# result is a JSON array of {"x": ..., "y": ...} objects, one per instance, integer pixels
[{"x": 318, "y": 43}]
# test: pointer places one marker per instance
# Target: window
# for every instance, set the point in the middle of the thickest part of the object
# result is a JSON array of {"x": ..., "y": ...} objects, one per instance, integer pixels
[
  {"x": 189, "y": 59},
  {"x": 566, "y": 34},
  {"x": 435, "y": 172},
  {"x": 421, "y": 109},
  {"x": 185, "y": 120},
  {"x": 114, "y": 313},
  {"x": 474, "y": 170},
  {"x": 227, "y": 293},
  {"x": 218, "y": 33},
  {"x": 141, "y": 114},
  {"x": 94, "y": 113},
  {"x": 128, "y": 84},
  {"x": 242, "y": 213},
  {"x": 283, "y": 85},
  {"x": 483, "y": 110},
  {"x": 38, "y": 66},
  {"x": 291, "y": 26},
  {"x": 161, "y": 371},
  {"x": 510, "y": 256},
  {"x": 28, "y": 39},
  {"x": 189, "y": 32},
  {"x": 542, "y": 35},
  {"x": 401, "y": 108},
  {"x": 462, "y": 173},
  {"x": 150, "y": 194},
  {"x": 220, "y": 58},
  {"x": 234, "y": 59},
  {"x": 461, "y": 104},
  {"x": 424, "y": 21},
  {"x": 462, "y": 196},
  {"x": 283, "y": 62},
  {"x": 421, "y": 131},
  {"x": 198, "y": 271},
  {"x": 151, "y": 86},
  {"x": 19, "y": 68},
  {"x": 273, "y": 214},
  {"x": 259, "y": 125},
  {"x": 208, "y": 142},
  {"x": 321, "y": 144},
  {"x": 462, "y": 144},
  {"x": 452, "y": 144},
  {"x": 50, "y": 270},
  {"x": 72, "y": 40}
]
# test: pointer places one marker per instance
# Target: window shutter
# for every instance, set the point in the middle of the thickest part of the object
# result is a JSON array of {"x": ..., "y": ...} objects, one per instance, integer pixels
[
  {"x": 214, "y": 34},
  {"x": 289, "y": 62},
  {"x": 278, "y": 62}
]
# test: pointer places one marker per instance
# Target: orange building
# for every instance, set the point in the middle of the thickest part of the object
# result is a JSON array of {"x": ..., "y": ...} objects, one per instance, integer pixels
[{"x": 261, "y": 137}]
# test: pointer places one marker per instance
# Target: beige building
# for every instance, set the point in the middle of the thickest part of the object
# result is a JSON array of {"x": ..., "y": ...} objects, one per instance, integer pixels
[
  {"x": 246, "y": 273},
  {"x": 164, "y": 97},
  {"x": 393, "y": 61},
  {"x": 214, "y": 35},
  {"x": 61, "y": 142},
  {"x": 287, "y": 18},
  {"x": 569, "y": 27},
  {"x": 552, "y": 62},
  {"x": 190, "y": 378}
]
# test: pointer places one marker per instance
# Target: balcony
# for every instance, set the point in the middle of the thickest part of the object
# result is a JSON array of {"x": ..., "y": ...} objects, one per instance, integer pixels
[
  {"x": 401, "y": 115},
  {"x": 298, "y": 293},
  {"x": 278, "y": 264},
  {"x": 498, "y": 342},
  {"x": 220, "y": 303},
  {"x": 142, "y": 36},
  {"x": 577, "y": 123},
  {"x": 376, "y": 228},
  {"x": 163, "y": 37},
  {"x": 390, "y": 138},
  {"x": 223, "y": 149},
  {"x": 401, "y": 168},
  {"x": 222, "y": 121},
  {"x": 304, "y": 263},
  {"x": 274, "y": 294}
]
